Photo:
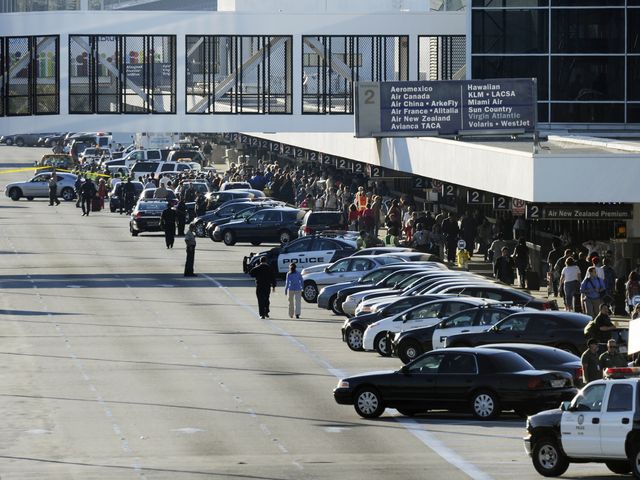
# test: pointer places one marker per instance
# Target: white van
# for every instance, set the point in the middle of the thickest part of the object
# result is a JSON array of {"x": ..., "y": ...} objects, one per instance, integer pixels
[{"x": 143, "y": 168}]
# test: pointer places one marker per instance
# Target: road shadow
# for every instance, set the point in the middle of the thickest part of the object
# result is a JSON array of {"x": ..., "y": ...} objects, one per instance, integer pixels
[
  {"x": 104, "y": 280},
  {"x": 33, "y": 313}
]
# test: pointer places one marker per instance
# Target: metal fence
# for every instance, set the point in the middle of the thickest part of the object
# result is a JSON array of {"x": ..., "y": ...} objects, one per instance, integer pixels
[
  {"x": 442, "y": 57},
  {"x": 122, "y": 74},
  {"x": 239, "y": 74},
  {"x": 331, "y": 65},
  {"x": 29, "y": 73}
]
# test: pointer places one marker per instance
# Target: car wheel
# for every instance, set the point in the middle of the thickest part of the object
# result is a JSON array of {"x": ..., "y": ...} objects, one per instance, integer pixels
[
  {"x": 409, "y": 351},
  {"x": 255, "y": 243},
  {"x": 310, "y": 292},
  {"x": 621, "y": 468},
  {"x": 134, "y": 233},
  {"x": 485, "y": 405},
  {"x": 199, "y": 230},
  {"x": 229, "y": 238},
  {"x": 354, "y": 339},
  {"x": 285, "y": 236},
  {"x": 15, "y": 194},
  {"x": 336, "y": 307},
  {"x": 8, "y": 142},
  {"x": 368, "y": 403},
  {"x": 634, "y": 461},
  {"x": 67, "y": 194},
  {"x": 20, "y": 142},
  {"x": 381, "y": 344},
  {"x": 30, "y": 199},
  {"x": 548, "y": 458},
  {"x": 113, "y": 209}
]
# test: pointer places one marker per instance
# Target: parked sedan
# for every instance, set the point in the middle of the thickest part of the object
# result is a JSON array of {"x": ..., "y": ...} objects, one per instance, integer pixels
[
  {"x": 347, "y": 269},
  {"x": 38, "y": 187},
  {"x": 353, "y": 328},
  {"x": 146, "y": 216},
  {"x": 410, "y": 344},
  {"x": 564, "y": 330},
  {"x": 545, "y": 358},
  {"x": 375, "y": 336},
  {"x": 483, "y": 381},
  {"x": 504, "y": 294}
]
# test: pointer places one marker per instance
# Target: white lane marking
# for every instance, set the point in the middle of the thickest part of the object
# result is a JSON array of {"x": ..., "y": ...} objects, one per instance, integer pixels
[
  {"x": 414, "y": 427},
  {"x": 188, "y": 430},
  {"x": 38, "y": 431},
  {"x": 75, "y": 286},
  {"x": 335, "y": 429}
]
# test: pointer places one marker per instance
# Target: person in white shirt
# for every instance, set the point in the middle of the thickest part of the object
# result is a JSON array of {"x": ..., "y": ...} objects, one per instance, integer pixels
[{"x": 570, "y": 283}]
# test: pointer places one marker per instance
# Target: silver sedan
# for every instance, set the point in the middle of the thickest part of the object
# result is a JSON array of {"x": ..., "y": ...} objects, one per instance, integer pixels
[{"x": 38, "y": 187}]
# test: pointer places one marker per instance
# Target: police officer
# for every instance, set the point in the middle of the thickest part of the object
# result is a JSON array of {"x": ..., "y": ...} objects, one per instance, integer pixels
[
  {"x": 53, "y": 189},
  {"x": 612, "y": 357},
  {"x": 88, "y": 191},
  {"x": 168, "y": 222},
  {"x": 190, "y": 241},
  {"x": 265, "y": 283},
  {"x": 181, "y": 216},
  {"x": 591, "y": 369}
]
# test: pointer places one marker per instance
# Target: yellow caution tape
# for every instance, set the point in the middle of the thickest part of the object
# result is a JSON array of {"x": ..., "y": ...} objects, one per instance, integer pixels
[{"x": 27, "y": 169}]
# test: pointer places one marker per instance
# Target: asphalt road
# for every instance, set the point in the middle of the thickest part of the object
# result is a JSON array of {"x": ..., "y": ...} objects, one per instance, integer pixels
[{"x": 116, "y": 366}]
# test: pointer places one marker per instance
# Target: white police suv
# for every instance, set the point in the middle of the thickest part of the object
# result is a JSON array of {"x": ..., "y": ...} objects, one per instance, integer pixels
[{"x": 601, "y": 424}]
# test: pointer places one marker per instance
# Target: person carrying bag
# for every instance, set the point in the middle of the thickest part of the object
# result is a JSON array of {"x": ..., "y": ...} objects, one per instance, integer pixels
[{"x": 592, "y": 290}]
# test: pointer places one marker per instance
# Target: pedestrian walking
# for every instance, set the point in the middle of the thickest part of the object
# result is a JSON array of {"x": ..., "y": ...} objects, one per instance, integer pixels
[
  {"x": 181, "y": 216},
  {"x": 102, "y": 192},
  {"x": 293, "y": 290},
  {"x": 503, "y": 267},
  {"x": 168, "y": 223},
  {"x": 190, "y": 241},
  {"x": 88, "y": 191},
  {"x": 265, "y": 284},
  {"x": 53, "y": 190},
  {"x": 521, "y": 259},
  {"x": 592, "y": 290}
]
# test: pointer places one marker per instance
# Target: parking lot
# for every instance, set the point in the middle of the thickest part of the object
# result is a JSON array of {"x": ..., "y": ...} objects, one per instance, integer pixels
[{"x": 116, "y": 366}]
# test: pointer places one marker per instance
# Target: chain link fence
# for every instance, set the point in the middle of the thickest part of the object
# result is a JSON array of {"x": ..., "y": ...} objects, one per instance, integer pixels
[
  {"x": 239, "y": 74},
  {"x": 331, "y": 65},
  {"x": 122, "y": 74},
  {"x": 30, "y": 81}
]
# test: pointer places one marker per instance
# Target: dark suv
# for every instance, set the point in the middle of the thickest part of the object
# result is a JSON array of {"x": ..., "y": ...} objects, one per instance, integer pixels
[
  {"x": 316, "y": 222},
  {"x": 266, "y": 225},
  {"x": 146, "y": 216}
]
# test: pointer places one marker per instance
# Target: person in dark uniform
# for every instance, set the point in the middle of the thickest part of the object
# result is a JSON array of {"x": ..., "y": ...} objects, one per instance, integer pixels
[
  {"x": 181, "y": 216},
  {"x": 265, "y": 283},
  {"x": 127, "y": 194},
  {"x": 168, "y": 222},
  {"x": 190, "y": 241},
  {"x": 53, "y": 190},
  {"x": 88, "y": 191}
]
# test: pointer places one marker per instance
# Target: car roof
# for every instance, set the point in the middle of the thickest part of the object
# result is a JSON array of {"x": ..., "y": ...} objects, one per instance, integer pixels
[
  {"x": 477, "y": 351},
  {"x": 520, "y": 346}
]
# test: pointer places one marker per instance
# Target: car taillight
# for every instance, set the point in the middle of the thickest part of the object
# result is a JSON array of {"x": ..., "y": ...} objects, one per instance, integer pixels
[
  {"x": 579, "y": 372},
  {"x": 138, "y": 215},
  {"x": 308, "y": 231},
  {"x": 547, "y": 306},
  {"x": 534, "y": 383}
]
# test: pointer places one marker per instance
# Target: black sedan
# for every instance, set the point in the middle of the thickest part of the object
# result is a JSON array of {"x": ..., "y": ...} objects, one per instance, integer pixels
[
  {"x": 483, "y": 381},
  {"x": 353, "y": 328},
  {"x": 146, "y": 216},
  {"x": 115, "y": 197},
  {"x": 410, "y": 344},
  {"x": 545, "y": 358},
  {"x": 564, "y": 330}
]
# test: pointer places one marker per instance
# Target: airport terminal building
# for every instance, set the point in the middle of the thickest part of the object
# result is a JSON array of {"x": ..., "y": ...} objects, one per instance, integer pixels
[{"x": 284, "y": 72}]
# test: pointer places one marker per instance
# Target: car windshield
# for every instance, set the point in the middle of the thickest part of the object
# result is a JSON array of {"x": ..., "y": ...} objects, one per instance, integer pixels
[
  {"x": 328, "y": 218},
  {"x": 245, "y": 213}
]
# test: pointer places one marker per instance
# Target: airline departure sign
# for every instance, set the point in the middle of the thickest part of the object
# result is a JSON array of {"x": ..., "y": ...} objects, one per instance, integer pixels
[{"x": 445, "y": 107}]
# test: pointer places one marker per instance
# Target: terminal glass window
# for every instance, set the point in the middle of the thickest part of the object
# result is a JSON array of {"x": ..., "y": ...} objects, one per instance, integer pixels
[
  {"x": 29, "y": 73},
  {"x": 239, "y": 74},
  {"x": 122, "y": 74},
  {"x": 442, "y": 57},
  {"x": 331, "y": 65}
]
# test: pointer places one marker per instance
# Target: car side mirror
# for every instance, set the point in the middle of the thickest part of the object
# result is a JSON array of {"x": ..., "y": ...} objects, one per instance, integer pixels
[
  {"x": 405, "y": 318},
  {"x": 565, "y": 406}
]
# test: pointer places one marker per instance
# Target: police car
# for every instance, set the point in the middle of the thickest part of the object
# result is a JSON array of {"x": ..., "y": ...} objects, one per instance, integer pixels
[
  {"x": 601, "y": 424},
  {"x": 305, "y": 251}
]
